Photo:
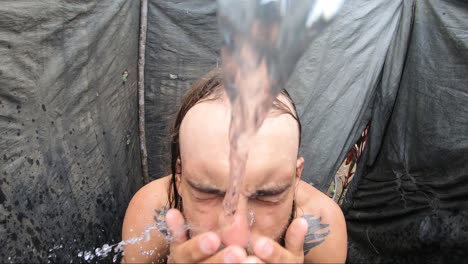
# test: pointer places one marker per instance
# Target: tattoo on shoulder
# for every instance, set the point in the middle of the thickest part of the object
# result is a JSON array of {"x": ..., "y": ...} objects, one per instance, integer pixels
[
  {"x": 160, "y": 219},
  {"x": 316, "y": 232}
]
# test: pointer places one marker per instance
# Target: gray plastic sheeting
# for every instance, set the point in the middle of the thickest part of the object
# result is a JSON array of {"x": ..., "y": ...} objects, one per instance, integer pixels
[
  {"x": 335, "y": 83},
  {"x": 408, "y": 203},
  {"x": 69, "y": 157},
  {"x": 182, "y": 45}
]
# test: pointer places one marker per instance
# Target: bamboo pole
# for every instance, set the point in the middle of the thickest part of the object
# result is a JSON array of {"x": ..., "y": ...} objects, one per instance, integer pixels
[{"x": 141, "y": 90}]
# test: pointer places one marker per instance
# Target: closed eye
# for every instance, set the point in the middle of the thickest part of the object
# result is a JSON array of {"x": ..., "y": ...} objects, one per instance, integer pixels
[
  {"x": 269, "y": 198},
  {"x": 204, "y": 192},
  {"x": 273, "y": 195},
  {"x": 203, "y": 195}
]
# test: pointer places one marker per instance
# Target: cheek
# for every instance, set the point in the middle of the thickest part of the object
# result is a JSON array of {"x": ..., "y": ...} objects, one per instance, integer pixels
[
  {"x": 270, "y": 221},
  {"x": 201, "y": 217}
]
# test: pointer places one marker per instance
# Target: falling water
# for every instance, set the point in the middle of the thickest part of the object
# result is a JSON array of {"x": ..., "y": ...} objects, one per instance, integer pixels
[
  {"x": 263, "y": 40},
  {"x": 116, "y": 250}
]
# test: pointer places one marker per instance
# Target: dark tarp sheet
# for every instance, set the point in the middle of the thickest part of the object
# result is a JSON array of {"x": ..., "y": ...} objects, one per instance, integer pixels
[
  {"x": 182, "y": 45},
  {"x": 68, "y": 126},
  {"x": 335, "y": 83},
  {"x": 408, "y": 203}
]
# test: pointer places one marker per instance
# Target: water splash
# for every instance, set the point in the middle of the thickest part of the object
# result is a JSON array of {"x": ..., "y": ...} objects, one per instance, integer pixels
[
  {"x": 263, "y": 41},
  {"x": 116, "y": 249}
]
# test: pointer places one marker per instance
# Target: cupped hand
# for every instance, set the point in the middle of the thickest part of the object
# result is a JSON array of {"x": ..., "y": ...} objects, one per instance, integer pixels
[
  {"x": 270, "y": 251},
  {"x": 203, "y": 248}
]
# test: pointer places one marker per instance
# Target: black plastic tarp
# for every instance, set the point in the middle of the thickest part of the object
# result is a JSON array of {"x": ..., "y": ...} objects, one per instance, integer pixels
[
  {"x": 182, "y": 45},
  {"x": 409, "y": 202},
  {"x": 336, "y": 82},
  {"x": 68, "y": 126}
]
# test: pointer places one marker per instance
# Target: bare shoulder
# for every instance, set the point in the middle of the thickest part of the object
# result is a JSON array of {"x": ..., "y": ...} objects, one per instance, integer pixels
[
  {"x": 326, "y": 239},
  {"x": 143, "y": 228}
]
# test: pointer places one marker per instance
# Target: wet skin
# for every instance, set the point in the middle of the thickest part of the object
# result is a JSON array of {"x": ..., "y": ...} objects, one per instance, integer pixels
[{"x": 271, "y": 184}]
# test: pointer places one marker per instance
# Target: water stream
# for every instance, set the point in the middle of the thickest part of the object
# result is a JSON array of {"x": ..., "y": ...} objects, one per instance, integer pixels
[{"x": 263, "y": 41}]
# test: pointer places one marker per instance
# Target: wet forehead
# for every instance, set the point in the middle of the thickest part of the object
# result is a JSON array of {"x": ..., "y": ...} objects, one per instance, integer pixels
[{"x": 205, "y": 145}]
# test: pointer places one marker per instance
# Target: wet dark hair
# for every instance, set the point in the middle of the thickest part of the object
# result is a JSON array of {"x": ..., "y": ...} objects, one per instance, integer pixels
[{"x": 209, "y": 87}]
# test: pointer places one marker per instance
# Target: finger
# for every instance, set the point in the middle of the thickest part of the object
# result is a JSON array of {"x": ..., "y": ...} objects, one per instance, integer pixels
[
  {"x": 270, "y": 251},
  {"x": 231, "y": 254},
  {"x": 295, "y": 235},
  {"x": 196, "y": 249},
  {"x": 176, "y": 225},
  {"x": 252, "y": 259}
]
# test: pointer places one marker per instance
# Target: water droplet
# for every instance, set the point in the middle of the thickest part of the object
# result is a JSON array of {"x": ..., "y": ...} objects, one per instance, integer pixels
[{"x": 252, "y": 218}]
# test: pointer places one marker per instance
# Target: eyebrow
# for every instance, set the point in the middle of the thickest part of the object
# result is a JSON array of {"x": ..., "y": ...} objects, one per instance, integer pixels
[{"x": 269, "y": 191}]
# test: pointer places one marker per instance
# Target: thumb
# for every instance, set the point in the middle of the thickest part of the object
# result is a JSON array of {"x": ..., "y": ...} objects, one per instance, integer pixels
[
  {"x": 176, "y": 225},
  {"x": 295, "y": 236}
]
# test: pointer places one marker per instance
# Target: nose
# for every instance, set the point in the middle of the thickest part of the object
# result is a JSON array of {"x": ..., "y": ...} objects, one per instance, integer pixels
[{"x": 235, "y": 229}]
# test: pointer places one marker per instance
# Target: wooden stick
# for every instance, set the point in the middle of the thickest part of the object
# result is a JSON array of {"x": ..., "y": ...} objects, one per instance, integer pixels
[{"x": 141, "y": 89}]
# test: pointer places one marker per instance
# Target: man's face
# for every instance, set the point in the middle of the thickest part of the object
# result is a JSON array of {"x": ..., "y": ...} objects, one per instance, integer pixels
[{"x": 272, "y": 174}]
